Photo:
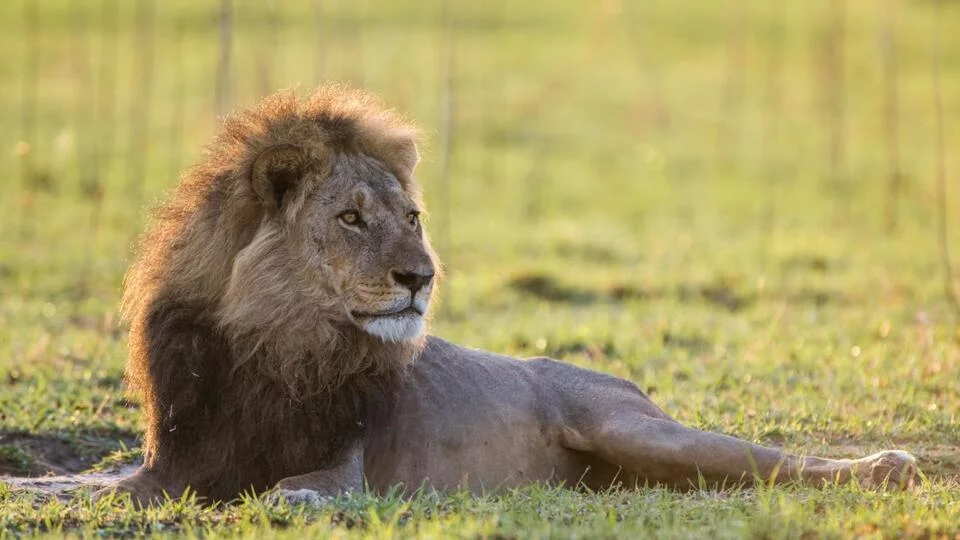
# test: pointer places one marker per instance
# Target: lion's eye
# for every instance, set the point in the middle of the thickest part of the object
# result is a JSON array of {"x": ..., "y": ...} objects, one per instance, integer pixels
[
  {"x": 351, "y": 217},
  {"x": 414, "y": 218}
]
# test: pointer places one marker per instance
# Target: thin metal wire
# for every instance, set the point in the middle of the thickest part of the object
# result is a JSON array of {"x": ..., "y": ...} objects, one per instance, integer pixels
[{"x": 949, "y": 288}]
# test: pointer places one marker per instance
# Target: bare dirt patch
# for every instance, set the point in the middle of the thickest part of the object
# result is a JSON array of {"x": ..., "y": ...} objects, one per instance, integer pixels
[
  {"x": 28, "y": 454},
  {"x": 62, "y": 486}
]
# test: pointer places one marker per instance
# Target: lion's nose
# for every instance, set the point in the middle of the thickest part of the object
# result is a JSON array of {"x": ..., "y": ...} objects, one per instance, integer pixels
[{"x": 412, "y": 280}]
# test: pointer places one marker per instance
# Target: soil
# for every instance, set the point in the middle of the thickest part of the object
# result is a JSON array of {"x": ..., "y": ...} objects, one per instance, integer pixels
[
  {"x": 26, "y": 454},
  {"x": 48, "y": 463}
]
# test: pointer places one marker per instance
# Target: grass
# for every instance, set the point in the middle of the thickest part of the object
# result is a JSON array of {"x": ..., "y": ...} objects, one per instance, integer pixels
[{"x": 640, "y": 188}]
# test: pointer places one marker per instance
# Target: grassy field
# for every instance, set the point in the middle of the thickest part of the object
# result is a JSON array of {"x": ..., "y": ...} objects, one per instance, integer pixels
[{"x": 691, "y": 195}]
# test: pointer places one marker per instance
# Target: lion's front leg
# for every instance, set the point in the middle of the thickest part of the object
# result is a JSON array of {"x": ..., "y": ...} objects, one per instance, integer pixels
[
  {"x": 320, "y": 486},
  {"x": 146, "y": 488}
]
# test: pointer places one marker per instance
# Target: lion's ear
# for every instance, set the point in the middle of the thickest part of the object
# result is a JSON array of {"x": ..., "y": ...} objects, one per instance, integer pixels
[
  {"x": 276, "y": 172},
  {"x": 410, "y": 156},
  {"x": 405, "y": 155}
]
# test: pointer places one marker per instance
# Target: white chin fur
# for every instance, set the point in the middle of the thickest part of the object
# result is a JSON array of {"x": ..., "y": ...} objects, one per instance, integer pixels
[{"x": 396, "y": 329}]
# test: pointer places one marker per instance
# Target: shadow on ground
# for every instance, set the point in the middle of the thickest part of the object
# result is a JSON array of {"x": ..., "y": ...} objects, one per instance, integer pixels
[
  {"x": 727, "y": 294},
  {"x": 38, "y": 454}
]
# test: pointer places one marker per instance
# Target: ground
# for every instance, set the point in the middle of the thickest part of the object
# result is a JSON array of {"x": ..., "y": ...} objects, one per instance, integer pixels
[{"x": 684, "y": 194}]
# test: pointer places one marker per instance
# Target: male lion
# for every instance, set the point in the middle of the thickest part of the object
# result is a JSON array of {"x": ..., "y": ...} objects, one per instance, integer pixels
[{"x": 278, "y": 308}]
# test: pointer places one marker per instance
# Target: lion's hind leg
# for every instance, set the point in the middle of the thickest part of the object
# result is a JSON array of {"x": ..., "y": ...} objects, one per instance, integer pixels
[
  {"x": 665, "y": 452},
  {"x": 887, "y": 469}
]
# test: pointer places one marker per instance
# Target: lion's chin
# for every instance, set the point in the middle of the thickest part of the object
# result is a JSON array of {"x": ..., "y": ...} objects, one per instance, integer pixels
[{"x": 396, "y": 328}]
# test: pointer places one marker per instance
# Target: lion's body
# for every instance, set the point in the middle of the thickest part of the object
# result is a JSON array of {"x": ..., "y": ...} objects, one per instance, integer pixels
[
  {"x": 278, "y": 308},
  {"x": 475, "y": 420}
]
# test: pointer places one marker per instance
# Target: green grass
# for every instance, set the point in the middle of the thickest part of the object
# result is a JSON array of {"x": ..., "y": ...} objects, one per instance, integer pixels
[{"x": 642, "y": 188}]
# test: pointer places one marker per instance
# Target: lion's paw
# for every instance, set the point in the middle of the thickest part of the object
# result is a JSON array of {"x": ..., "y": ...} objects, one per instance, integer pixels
[
  {"x": 299, "y": 496},
  {"x": 143, "y": 490},
  {"x": 891, "y": 469}
]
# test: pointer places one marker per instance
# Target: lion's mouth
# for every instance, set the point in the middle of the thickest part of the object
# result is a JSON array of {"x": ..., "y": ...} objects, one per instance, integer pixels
[
  {"x": 402, "y": 312},
  {"x": 402, "y": 323}
]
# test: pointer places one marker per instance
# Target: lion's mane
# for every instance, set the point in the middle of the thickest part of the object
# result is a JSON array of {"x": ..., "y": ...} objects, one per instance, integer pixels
[{"x": 242, "y": 382}]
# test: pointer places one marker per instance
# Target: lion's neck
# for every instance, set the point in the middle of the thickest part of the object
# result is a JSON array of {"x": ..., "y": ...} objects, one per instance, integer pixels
[{"x": 321, "y": 359}]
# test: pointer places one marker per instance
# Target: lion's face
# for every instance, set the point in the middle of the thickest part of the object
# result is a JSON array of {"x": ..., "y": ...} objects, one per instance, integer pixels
[{"x": 363, "y": 238}]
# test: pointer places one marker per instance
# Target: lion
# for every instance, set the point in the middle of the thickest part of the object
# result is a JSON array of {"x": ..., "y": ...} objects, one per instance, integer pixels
[{"x": 278, "y": 310}]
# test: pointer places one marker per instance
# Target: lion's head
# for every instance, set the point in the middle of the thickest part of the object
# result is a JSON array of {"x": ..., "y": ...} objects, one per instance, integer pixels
[
  {"x": 340, "y": 230},
  {"x": 298, "y": 237}
]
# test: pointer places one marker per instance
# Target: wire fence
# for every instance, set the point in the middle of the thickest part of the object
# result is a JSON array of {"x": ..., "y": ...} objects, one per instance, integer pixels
[{"x": 114, "y": 98}]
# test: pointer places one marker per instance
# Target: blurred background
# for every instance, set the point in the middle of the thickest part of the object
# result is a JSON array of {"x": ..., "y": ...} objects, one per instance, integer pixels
[{"x": 682, "y": 192}]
